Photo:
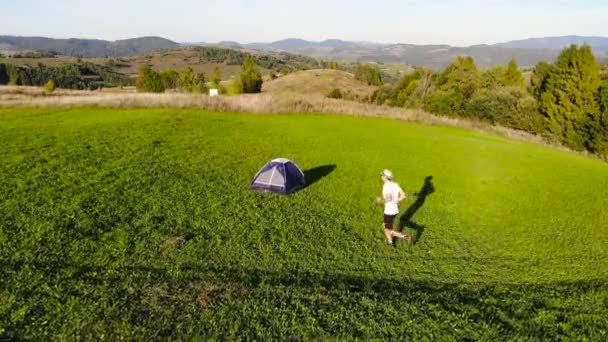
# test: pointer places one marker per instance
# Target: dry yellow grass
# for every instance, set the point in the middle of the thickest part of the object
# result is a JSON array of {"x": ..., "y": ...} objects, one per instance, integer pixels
[
  {"x": 318, "y": 82},
  {"x": 15, "y": 96}
]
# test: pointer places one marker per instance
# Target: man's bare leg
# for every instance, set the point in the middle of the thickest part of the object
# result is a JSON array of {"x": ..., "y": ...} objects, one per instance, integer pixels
[
  {"x": 389, "y": 235},
  {"x": 399, "y": 235}
]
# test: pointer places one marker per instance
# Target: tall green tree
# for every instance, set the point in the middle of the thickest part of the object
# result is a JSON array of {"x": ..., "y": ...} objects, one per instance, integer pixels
[
  {"x": 461, "y": 76},
  {"x": 4, "y": 76},
  {"x": 569, "y": 97},
  {"x": 249, "y": 79},
  {"x": 369, "y": 74},
  {"x": 538, "y": 81},
  {"x": 596, "y": 126},
  {"x": 512, "y": 77}
]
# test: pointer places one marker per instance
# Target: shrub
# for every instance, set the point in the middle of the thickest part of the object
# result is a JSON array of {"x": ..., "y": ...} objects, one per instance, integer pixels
[
  {"x": 405, "y": 88},
  {"x": 149, "y": 80},
  {"x": 333, "y": 65},
  {"x": 170, "y": 79},
  {"x": 349, "y": 96},
  {"x": 335, "y": 93},
  {"x": 509, "y": 106},
  {"x": 237, "y": 86},
  {"x": 381, "y": 95},
  {"x": 216, "y": 78},
  {"x": 49, "y": 87},
  {"x": 444, "y": 102}
]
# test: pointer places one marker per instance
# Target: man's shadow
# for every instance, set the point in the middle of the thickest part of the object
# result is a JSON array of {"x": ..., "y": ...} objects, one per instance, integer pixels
[{"x": 406, "y": 219}]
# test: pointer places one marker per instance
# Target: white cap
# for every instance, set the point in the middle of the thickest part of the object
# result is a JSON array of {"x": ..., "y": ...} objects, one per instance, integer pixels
[{"x": 387, "y": 173}]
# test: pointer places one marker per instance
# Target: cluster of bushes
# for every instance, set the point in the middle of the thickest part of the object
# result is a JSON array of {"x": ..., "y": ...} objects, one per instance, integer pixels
[
  {"x": 333, "y": 65},
  {"x": 69, "y": 76},
  {"x": 339, "y": 94},
  {"x": 151, "y": 81},
  {"x": 566, "y": 101}
]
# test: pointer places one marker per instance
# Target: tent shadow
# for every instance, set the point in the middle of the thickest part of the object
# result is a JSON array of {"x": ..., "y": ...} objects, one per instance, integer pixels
[{"x": 316, "y": 174}]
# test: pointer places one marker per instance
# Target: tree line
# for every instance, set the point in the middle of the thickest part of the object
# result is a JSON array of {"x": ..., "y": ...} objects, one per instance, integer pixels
[
  {"x": 81, "y": 76},
  {"x": 249, "y": 80},
  {"x": 281, "y": 62},
  {"x": 567, "y": 101}
]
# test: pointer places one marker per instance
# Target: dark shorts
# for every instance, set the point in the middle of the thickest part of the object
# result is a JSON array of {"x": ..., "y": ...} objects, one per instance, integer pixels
[{"x": 388, "y": 221}]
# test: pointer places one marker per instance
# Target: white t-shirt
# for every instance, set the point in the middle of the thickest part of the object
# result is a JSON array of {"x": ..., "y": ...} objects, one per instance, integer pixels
[{"x": 390, "y": 192}]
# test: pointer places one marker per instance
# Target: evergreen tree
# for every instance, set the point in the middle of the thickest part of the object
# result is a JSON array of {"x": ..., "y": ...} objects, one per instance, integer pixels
[
  {"x": 249, "y": 79},
  {"x": 569, "y": 98},
  {"x": 512, "y": 77},
  {"x": 461, "y": 76},
  {"x": 493, "y": 78},
  {"x": 4, "y": 76},
  {"x": 538, "y": 81},
  {"x": 596, "y": 126}
]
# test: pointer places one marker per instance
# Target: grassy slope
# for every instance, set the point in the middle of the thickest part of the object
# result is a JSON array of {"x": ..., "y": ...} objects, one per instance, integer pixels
[
  {"x": 317, "y": 82},
  {"x": 139, "y": 223}
]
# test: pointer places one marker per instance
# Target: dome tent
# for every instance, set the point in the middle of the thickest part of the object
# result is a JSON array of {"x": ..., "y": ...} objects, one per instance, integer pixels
[{"x": 279, "y": 175}]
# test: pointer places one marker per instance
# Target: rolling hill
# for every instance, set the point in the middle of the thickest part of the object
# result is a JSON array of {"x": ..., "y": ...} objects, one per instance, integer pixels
[
  {"x": 88, "y": 47},
  {"x": 318, "y": 82}
]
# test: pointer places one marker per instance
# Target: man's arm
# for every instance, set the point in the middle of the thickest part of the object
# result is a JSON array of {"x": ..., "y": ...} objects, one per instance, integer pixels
[{"x": 402, "y": 195}]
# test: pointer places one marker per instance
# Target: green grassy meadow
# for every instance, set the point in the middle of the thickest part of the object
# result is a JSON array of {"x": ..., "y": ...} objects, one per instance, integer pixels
[{"x": 138, "y": 224}]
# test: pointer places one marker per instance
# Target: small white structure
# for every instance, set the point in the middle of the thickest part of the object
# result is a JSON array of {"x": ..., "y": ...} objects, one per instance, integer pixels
[{"x": 214, "y": 92}]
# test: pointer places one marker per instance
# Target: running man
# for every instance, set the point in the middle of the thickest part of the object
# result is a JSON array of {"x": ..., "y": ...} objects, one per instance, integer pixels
[{"x": 392, "y": 194}]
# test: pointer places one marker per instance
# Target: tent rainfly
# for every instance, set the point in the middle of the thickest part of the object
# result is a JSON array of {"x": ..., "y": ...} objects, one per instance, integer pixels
[{"x": 279, "y": 175}]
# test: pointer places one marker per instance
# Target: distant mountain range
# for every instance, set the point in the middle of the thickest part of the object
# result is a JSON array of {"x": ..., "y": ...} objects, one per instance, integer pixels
[
  {"x": 527, "y": 52},
  {"x": 599, "y": 44},
  {"x": 88, "y": 47}
]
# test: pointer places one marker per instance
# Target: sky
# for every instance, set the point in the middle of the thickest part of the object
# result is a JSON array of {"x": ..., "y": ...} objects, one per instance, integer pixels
[{"x": 454, "y": 22}]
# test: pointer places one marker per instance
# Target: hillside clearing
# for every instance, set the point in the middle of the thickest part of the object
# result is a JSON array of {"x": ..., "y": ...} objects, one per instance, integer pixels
[{"x": 317, "y": 83}]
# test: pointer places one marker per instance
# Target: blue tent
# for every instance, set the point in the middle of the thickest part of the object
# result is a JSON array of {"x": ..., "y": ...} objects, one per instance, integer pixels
[{"x": 279, "y": 175}]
